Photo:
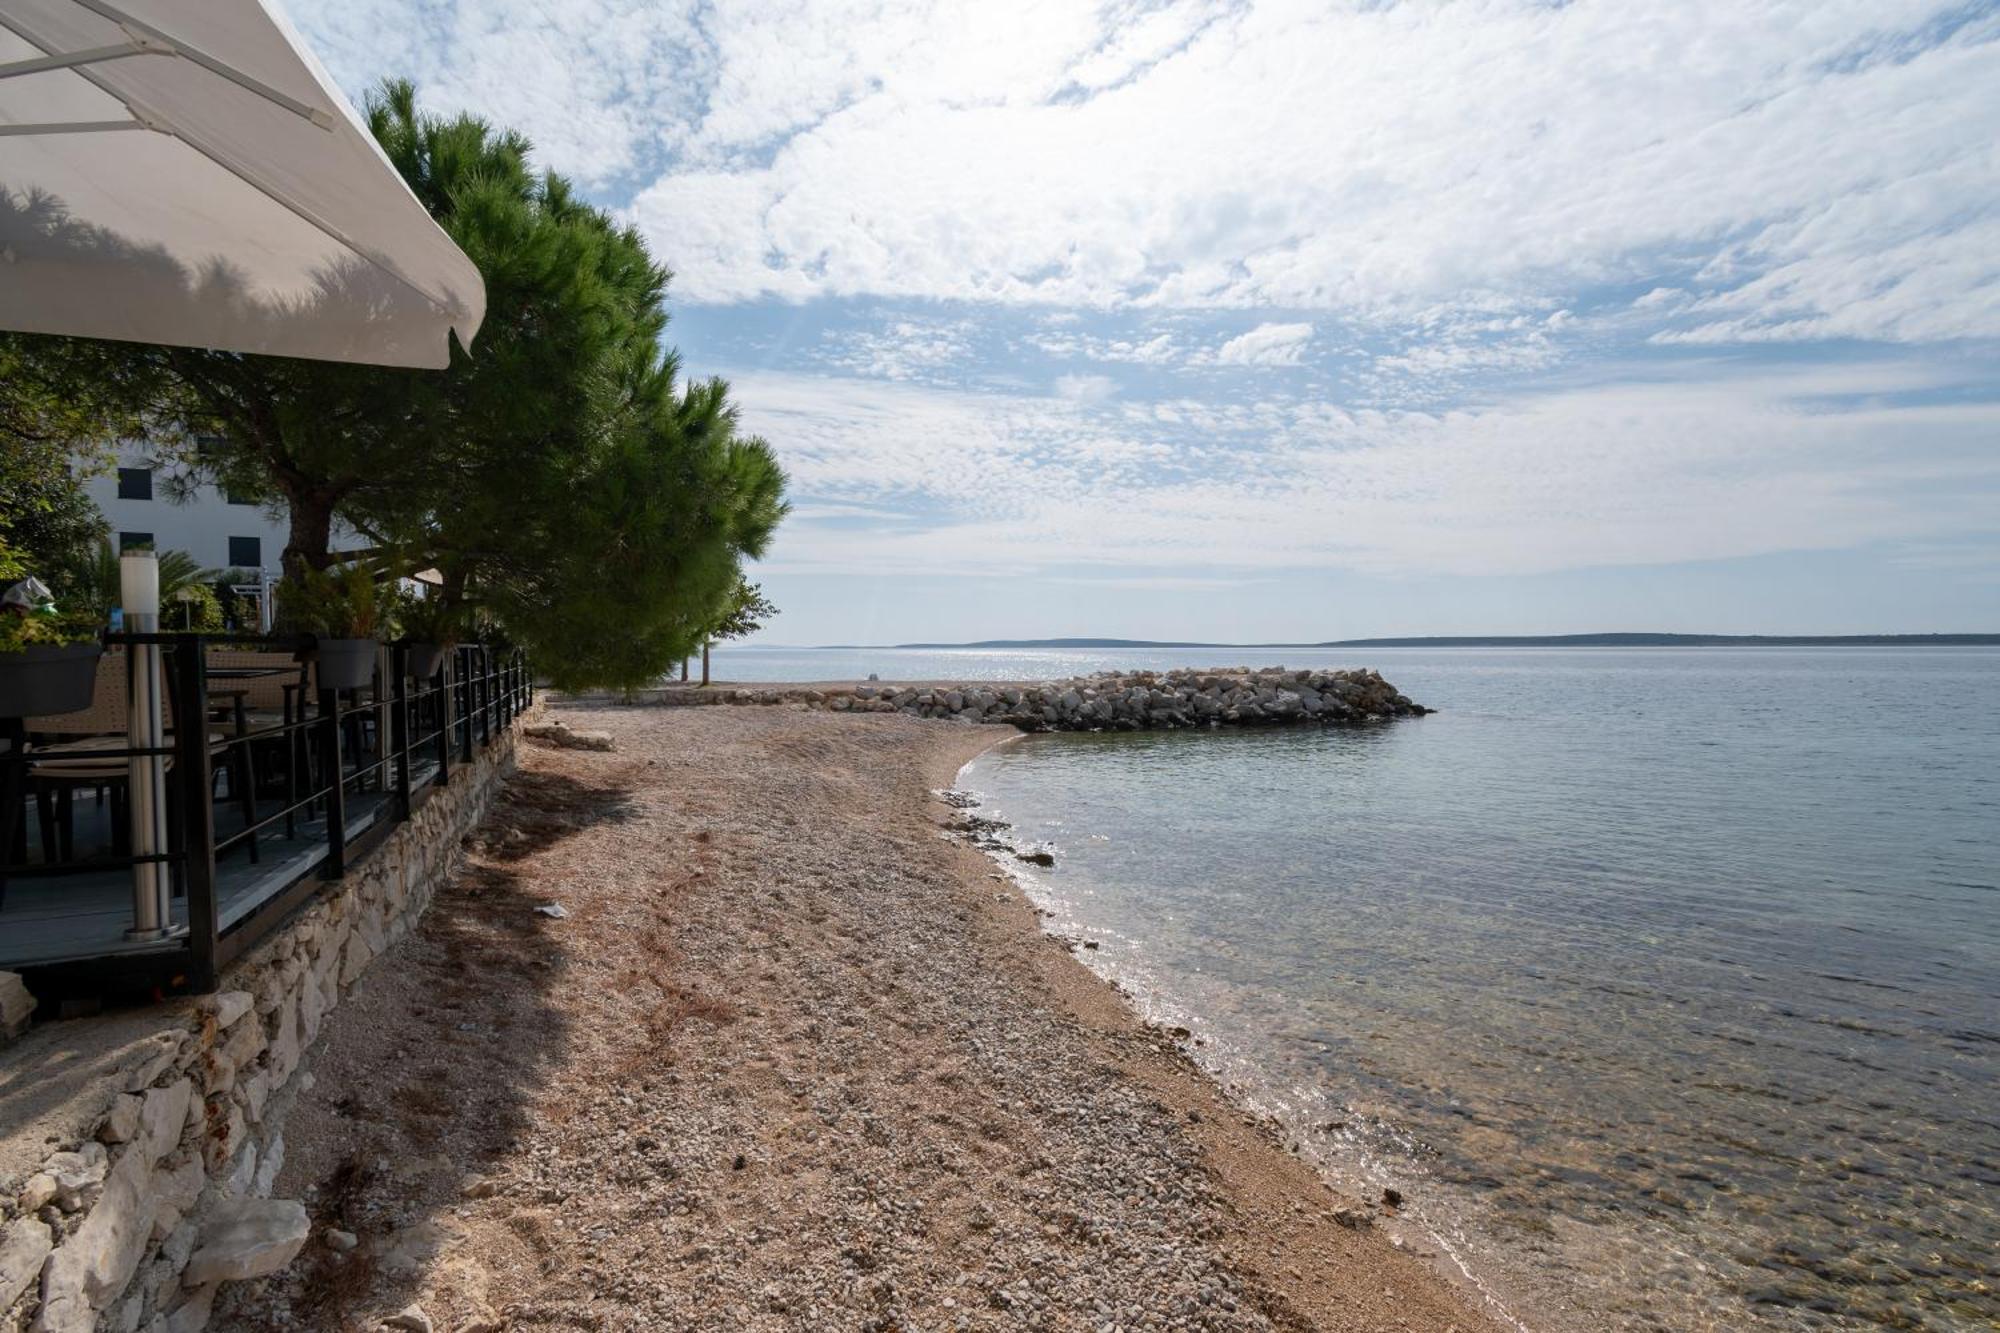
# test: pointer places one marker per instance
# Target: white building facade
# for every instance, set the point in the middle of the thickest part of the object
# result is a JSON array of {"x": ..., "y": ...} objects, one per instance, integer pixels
[{"x": 217, "y": 531}]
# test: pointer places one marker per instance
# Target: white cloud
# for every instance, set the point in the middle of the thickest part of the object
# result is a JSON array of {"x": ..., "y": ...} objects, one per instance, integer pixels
[
  {"x": 1709, "y": 464},
  {"x": 900, "y": 348},
  {"x": 1266, "y": 345},
  {"x": 1085, "y": 388},
  {"x": 1802, "y": 168},
  {"x": 1368, "y": 158},
  {"x": 1160, "y": 349}
]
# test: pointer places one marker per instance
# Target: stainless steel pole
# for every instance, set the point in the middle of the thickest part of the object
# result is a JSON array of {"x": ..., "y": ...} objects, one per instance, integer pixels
[{"x": 145, "y": 729}]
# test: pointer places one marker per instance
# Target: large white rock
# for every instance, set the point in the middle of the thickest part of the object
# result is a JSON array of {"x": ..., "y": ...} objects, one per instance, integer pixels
[
  {"x": 121, "y": 1122},
  {"x": 174, "y": 1193},
  {"x": 37, "y": 1193},
  {"x": 17, "y": 1006},
  {"x": 245, "y": 1238},
  {"x": 164, "y": 1119},
  {"x": 24, "y": 1244},
  {"x": 229, "y": 1006},
  {"x": 91, "y": 1268},
  {"x": 77, "y": 1175}
]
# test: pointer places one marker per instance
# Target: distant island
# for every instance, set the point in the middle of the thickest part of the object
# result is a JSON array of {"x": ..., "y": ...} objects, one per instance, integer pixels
[{"x": 1511, "y": 641}]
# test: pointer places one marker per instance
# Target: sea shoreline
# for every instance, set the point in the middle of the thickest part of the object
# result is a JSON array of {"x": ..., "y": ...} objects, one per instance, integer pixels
[
  {"x": 1154, "y": 1012},
  {"x": 817, "y": 875}
]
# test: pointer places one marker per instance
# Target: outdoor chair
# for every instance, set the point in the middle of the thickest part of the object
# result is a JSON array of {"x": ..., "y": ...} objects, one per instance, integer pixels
[
  {"x": 262, "y": 690},
  {"x": 76, "y": 759}
]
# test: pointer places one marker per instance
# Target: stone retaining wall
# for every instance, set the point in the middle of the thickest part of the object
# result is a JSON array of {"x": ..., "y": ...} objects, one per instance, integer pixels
[
  {"x": 1111, "y": 701},
  {"x": 134, "y": 1227}
]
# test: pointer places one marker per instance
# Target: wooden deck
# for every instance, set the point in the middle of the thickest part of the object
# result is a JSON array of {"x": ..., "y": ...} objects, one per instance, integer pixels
[{"x": 47, "y": 919}]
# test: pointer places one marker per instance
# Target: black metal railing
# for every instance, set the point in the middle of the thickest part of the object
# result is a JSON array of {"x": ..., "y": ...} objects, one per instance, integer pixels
[{"x": 312, "y": 790}]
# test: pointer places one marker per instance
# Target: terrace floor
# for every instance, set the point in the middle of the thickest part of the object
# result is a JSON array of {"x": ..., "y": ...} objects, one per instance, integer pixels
[{"x": 47, "y": 919}]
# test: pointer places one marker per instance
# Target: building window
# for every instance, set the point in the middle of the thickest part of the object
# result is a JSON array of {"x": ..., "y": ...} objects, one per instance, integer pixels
[
  {"x": 135, "y": 541},
  {"x": 238, "y": 498},
  {"x": 246, "y": 553},
  {"x": 135, "y": 483}
]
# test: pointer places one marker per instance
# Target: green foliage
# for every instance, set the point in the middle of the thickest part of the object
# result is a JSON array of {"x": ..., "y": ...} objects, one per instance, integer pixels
[
  {"x": 594, "y": 509},
  {"x": 344, "y": 603},
  {"x": 237, "y": 611},
  {"x": 431, "y": 618},
  {"x": 52, "y": 629},
  {"x": 49, "y": 443},
  {"x": 746, "y": 613},
  {"x": 46, "y": 624},
  {"x": 195, "y": 608},
  {"x": 99, "y": 579}
]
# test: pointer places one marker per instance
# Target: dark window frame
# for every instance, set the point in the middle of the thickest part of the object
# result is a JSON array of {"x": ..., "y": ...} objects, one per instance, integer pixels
[
  {"x": 135, "y": 483},
  {"x": 134, "y": 541},
  {"x": 256, "y": 560}
]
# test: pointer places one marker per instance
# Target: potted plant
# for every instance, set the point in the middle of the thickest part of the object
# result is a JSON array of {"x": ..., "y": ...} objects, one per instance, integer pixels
[
  {"x": 431, "y": 628},
  {"x": 347, "y": 613},
  {"x": 48, "y": 658}
]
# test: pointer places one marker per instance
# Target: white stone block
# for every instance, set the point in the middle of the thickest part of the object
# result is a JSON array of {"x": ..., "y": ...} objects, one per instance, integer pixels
[
  {"x": 90, "y": 1269},
  {"x": 24, "y": 1245},
  {"x": 122, "y": 1121},
  {"x": 246, "y": 1238},
  {"x": 17, "y": 1006},
  {"x": 229, "y": 1006},
  {"x": 164, "y": 1119}
]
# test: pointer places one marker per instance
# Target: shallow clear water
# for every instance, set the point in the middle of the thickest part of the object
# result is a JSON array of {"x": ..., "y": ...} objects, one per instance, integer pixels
[{"x": 1664, "y": 983}]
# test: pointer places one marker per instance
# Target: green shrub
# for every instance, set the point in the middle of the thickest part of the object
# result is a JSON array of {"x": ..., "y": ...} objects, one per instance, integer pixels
[
  {"x": 428, "y": 618},
  {"x": 45, "y": 624},
  {"x": 337, "y": 604}
]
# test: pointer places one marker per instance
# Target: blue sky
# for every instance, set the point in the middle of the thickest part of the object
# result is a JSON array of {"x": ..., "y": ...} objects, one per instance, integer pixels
[{"x": 1237, "y": 320}]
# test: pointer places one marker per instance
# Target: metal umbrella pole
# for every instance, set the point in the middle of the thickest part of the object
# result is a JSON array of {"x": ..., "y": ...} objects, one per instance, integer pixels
[{"x": 139, "y": 579}]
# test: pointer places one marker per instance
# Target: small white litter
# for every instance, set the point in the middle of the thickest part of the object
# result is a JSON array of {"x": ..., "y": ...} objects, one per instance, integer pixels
[{"x": 556, "y": 910}]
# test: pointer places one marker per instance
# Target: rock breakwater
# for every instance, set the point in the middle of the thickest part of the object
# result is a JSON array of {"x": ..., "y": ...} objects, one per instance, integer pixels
[{"x": 1108, "y": 701}]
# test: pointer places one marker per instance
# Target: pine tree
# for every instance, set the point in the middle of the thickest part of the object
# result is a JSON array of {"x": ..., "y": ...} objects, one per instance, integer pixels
[{"x": 558, "y": 475}]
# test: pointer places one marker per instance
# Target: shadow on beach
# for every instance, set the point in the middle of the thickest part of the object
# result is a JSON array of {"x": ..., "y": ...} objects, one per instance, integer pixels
[{"x": 429, "y": 1075}]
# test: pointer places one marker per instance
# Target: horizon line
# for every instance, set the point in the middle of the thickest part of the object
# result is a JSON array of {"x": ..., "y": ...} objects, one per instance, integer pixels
[{"x": 1601, "y": 638}]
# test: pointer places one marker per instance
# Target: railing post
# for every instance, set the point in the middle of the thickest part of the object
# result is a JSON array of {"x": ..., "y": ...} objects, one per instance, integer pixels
[
  {"x": 441, "y": 711},
  {"x": 197, "y": 812},
  {"x": 336, "y": 787},
  {"x": 399, "y": 725},
  {"x": 465, "y": 703}
]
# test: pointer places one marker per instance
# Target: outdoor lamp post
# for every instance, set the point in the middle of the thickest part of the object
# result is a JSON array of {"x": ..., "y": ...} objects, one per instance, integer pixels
[
  {"x": 187, "y": 597},
  {"x": 139, "y": 586}
]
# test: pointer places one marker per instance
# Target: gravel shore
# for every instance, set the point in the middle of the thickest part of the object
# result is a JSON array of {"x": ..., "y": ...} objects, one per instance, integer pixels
[{"x": 788, "y": 1057}]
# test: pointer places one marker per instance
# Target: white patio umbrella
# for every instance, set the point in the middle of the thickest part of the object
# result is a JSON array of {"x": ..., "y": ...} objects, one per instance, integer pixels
[{"x": 184, "y": 172}]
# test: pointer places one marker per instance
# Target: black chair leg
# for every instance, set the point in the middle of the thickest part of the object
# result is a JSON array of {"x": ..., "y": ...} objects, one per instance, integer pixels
[
  {"x": 66, "y": 821},
  {"x": 243, "y": 776},
  {"x": 45, "y": 821},
  {"x": 121, "y": 820}
]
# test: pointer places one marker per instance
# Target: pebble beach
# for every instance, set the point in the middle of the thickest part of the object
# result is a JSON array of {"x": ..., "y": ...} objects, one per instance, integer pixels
[{"x": 729, "y": 1027}]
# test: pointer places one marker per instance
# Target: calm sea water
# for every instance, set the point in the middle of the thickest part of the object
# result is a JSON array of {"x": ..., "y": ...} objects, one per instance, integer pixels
[{"x": 1664, "y": 984}]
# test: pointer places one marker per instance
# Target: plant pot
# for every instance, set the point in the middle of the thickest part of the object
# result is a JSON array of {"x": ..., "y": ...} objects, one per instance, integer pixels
[
  {"x": 423, "y": 659},
  {"x": 46, "y": 678},
  {"x": 346, "y": 664}
]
